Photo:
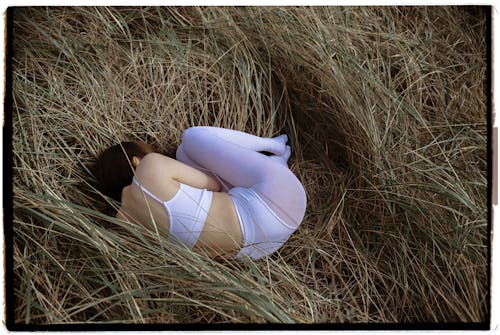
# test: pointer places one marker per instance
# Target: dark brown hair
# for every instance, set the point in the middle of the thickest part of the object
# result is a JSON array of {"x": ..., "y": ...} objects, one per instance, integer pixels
[{"x": 113, "y": 169}]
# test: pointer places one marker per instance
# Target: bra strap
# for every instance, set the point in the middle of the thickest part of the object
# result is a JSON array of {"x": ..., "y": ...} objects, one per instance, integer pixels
[{"x": 146, "y": 191}]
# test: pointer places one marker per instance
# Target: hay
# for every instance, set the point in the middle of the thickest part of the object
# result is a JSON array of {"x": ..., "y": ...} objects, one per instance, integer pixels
[{"x": 386, "y": 112}]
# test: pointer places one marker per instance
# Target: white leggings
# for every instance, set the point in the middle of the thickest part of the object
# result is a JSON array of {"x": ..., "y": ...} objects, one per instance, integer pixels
[{"x": 234, "y": 158}]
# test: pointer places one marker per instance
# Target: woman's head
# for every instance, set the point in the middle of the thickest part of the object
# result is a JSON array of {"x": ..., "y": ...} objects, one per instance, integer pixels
[{"x": 115, "y": 166}]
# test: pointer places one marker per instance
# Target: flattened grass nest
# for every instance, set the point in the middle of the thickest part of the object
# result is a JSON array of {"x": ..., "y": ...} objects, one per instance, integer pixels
[{"x": 386, "y": 111}]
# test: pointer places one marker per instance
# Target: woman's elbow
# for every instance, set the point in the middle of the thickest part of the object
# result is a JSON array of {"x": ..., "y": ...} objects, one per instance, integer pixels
[{"x": 215, "y": 186}]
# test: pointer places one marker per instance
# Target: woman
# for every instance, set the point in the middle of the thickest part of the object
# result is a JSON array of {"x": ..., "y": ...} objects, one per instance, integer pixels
[{"x": 221, "y": 195}]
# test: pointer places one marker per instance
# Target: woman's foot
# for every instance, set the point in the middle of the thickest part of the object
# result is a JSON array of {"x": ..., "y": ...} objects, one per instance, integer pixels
[
  {"x": 283, "y": 138},
  {"x": 283, "y": 159},
  {"x": 277, "y": 145}
]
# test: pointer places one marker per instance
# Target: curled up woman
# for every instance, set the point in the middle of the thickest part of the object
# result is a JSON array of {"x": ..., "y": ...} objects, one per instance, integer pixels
[{"x": 221, "y": 195}]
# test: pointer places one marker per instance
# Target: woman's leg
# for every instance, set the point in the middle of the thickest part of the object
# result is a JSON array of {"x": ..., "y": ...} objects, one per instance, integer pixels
[
  {"x": 236, "y": 160},
  {"x": 283, "y": 159},
  {"x": 181, "y": 156},
  {"x": 275, "y": 145}
]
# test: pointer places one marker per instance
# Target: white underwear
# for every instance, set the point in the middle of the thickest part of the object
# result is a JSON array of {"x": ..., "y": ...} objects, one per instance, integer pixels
[
  {"x": 187, "y": 211},
  {"x": 236, "y": 159},
  {"x": 263, "y": 231}
]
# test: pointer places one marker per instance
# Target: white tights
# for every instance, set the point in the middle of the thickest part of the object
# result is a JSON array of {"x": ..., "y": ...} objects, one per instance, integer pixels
[{"x": 233, "y": 157}]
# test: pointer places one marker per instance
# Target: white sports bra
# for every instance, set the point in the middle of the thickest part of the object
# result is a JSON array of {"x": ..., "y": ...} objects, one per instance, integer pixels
[{"x": 187, "y": 211}]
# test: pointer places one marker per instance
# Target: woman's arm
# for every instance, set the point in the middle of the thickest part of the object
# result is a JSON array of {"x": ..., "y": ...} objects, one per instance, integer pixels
[
  {"x": 190, "y": 176},
  {"x": 154, "y": 167}
]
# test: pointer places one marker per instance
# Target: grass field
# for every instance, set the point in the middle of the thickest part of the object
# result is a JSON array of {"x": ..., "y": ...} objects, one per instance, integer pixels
[{"x": 386, "y": 109}]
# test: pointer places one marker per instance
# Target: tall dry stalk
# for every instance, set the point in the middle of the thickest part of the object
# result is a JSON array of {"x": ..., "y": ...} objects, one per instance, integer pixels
[{"x": 386, "y": 111}]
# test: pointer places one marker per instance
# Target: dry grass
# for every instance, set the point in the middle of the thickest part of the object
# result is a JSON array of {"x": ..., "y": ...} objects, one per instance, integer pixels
[{"x": 386, "y": 111}]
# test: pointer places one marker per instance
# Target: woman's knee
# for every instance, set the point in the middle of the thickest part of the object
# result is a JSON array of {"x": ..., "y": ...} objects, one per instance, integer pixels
[{"x": 285, "y": 192}]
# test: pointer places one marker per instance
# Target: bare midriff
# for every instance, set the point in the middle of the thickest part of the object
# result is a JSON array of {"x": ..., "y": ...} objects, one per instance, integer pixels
[{"x": 221, "y": 234}]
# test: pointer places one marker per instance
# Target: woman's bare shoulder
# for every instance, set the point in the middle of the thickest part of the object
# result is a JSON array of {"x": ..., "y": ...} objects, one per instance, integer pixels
[
  {"x": 154, "y": 158},
  {"x": 156, "y": 171},
  {"x": 155, "y": 163},
  {"x": 155, "y": 168}
]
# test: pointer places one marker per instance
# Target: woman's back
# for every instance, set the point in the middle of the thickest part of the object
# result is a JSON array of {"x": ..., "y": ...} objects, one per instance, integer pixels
[{"x": 160, "y": 180}]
